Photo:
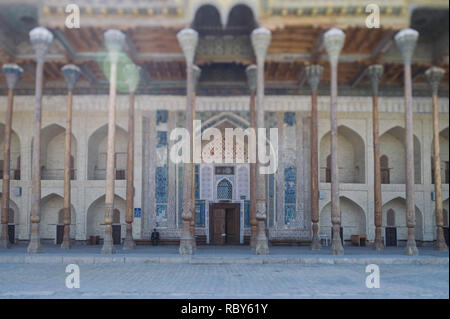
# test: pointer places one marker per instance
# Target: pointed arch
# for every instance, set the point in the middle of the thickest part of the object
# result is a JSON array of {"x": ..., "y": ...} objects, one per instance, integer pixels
[
  {"x": 51, "y": 212},
  {"x": 14, "y": 153},
  {"x": 97, "y": 148},
  {"x": 353, "y": 218},
  {"x": 351, "y": 156},
  {"x": 392, "y": 144},
  {"x": 398, "y": 206},
  {"x": 96, "y": 213}
]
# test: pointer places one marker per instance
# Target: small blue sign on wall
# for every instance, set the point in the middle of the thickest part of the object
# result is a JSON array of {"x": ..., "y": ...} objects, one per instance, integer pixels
[{"x": 137, "y": 212}]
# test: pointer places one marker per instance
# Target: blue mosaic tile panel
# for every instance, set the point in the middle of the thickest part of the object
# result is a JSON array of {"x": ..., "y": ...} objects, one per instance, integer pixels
[
  {"x": 289, "y": 118},
  {"x": 200, "y": 213},
  {"x": 197, "y": 182},
  {"x": 161, "y": 139},
  {"x": 161, "y": 116},
  {"x": 161, "y": 184},
  {"x": 289, "y": 214},
  {"x": 247, "y": 213},
  {"x": 290, "y": 178},
  {"x": 161, "y": 215}
]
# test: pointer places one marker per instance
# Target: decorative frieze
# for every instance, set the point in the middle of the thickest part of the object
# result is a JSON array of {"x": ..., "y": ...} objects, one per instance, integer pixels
[{"x": 56, "y": 103}]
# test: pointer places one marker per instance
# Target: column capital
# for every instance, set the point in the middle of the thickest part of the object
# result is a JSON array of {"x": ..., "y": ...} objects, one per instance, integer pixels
[
  {"x": 260, "y": 38},
  {"x": 334, "y": 40},
  {"x": 313, "y": 76},
  {"x": 71, "y": 74},
  {"x": 13, "y": 73},
  {"x": 114, "y": 42},
  {"x": 434, "y": 76},
  {"x": 197, "y": 74},
  {"x": 251, "y": 72},
  {"x": 41, "y": 40},
  {"x": 374, "y": 73},
  {"x": 406, "y": 40},
  {"x": 133, "y": 75},
  {"x": 188, "y": 39}
]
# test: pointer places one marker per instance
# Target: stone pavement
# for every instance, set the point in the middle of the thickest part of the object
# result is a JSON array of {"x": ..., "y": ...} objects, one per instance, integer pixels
[
  {"x": 232, "y": 281},
  {"x": 82, "y": 254}
]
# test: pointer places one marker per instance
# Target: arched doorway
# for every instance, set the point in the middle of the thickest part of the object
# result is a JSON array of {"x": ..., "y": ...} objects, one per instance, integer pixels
[{"x": 51, "y": 226}]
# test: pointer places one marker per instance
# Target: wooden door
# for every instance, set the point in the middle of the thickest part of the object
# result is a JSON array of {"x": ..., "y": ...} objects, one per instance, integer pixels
[
  {"x": 11, "y": 233},
  {"x": 446, "y": 235},
  {"x": 116, "y": 234},
  {"x": 232, "y": 226},
  {"x": 59, "y": 234},
  {"x": 391, "y": 236},
  {"x": 219, "y": 232}
]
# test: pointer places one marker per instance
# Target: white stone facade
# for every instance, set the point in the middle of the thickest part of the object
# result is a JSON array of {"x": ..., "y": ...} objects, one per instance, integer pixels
[{"x": 355, "y": 162}]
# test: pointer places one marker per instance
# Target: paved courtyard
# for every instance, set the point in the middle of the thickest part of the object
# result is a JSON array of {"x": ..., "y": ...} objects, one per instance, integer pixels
[{"x": 223, "y": 272}]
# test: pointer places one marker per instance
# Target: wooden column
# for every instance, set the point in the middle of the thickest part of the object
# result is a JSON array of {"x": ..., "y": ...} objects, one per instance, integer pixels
[
  {"x": 260, "y": 40},
  {"x": 132, "y": 72},
  {"x": 188, "y": 38},
  {"x": 12, "y": 73},
  {"x": 334, "y": 41},
  {"x": 71, "y": 74},
  {"x": 251, "y": 72},
  {"x": 375, "y": 72},
  {"x": 196, "y": 74},
  {"x": 313, "y": 76},
  {"x": 41, "y": 39},
  {"x": 433, "y": 76},
  {"x": 406, "y": 41},
  {"x": 114, "y": 41}
]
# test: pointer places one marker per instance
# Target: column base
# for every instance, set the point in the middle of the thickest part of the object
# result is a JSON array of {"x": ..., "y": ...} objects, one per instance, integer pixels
[
  {"x": 186, "y": 241},
  {"x": 315, "y": 242},
  {"x": 4, "y": 240},
  {"x": 128, "y": 243},
  {"x": 440, "y": 243},
  {"x": 34, "y": 247},
  {"x": 411, "y": 248},
  {"x": 336, "y": 247},
  {"x": 66, "y": 244},
  {"x": 262, "y": 243},
  {"x": 379, "y": 245},
  {"x": 108, "y": 246}
]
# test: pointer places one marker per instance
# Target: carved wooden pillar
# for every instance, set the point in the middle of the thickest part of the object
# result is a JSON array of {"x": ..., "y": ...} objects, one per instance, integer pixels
[
  {"x": 313, "y": 76},
  {"x": 71, "y": 74},
  {"x": 188, "y": 39},
  {"x": 132, "y": 80},
  {"x": 334, "y": 41},
  {"x": 433, "y": 76},
  {"x": 375, "y": 72},
  {"x": 406, "y": 41},
  {"x": 251, "y": 80},
  {"x": 197, "y": 72},
  {"x": 114, "y": 41},
  {"x": 12, "y": 73},
  {"x": 260, "y": 40},
  {"x": 41, "y": 39}
]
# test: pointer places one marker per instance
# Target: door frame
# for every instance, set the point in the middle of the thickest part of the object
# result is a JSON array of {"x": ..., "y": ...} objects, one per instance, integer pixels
[{"x": 222, "y": 205}]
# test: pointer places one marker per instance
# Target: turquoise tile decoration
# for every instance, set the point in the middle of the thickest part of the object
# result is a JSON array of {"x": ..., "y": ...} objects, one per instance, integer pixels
[
  {"x": 289, "y": 118},
  {"x": 161, "y": 139},
  {"x": 161, "y": 116},
  {"x": 290, "y": 178},
  {"x": 161, "y": 215},
  {"x": 247, "y": 213},
  {"x": 161, "y": 184},
  {"x": 200, "y": 213}
]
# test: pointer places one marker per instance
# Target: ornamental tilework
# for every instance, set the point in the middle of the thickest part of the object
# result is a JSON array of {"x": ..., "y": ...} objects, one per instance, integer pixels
[
  {"x": 289, "y": 118},
  {"x": 161, "y": 184},
  {"x": 161, "y": 139},
  {"x": 161, "y": 215},
  {"x": 289, "y": 214},
  {"x": 290, "y": 180},
  {"x": 161, "y": 116},
  {"x": 247, "y": 213},
  {"x": 200, "y": 213}
]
